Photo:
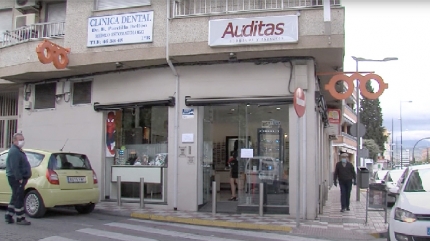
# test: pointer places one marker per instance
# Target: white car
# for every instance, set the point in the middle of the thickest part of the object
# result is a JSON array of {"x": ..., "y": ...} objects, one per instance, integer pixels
[
  {"x": 410, "y": 215},
  {"x": 378, "y": 176},
  {"x": 390, "y": 182}
]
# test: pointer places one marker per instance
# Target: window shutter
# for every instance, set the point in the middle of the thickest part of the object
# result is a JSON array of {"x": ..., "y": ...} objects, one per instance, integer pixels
[
  {"x": 5, "y": 23},
  {"x": 114, "y": 4},
  {"x": 57, "y": 12},
  {"x": 82, "y": 92},
  {"x": 44, "y": 96}
]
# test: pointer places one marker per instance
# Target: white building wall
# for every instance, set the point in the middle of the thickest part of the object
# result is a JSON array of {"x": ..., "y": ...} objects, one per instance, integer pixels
[{"x": 80, "y": 126}]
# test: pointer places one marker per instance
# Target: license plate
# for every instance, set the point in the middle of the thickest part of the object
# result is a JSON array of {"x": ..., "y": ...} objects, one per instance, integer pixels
[
  {"x": 428, "y": 231},
  {"x": 76, "y": 179}
]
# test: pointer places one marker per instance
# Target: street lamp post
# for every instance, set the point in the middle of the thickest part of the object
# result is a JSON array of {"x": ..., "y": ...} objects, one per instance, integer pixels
[
  {"x": 401, "y": 133},
  {"x": 357, "y": 157}
]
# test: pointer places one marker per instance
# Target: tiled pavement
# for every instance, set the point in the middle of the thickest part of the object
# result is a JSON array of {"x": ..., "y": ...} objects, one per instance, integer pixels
[{"x": 332, "y": 224}]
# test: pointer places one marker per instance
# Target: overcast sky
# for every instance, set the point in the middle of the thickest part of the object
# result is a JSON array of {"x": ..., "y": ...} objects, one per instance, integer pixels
[{"x": 376, "y": 29}]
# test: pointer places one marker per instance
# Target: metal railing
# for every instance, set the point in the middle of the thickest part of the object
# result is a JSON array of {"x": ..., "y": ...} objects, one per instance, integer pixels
[
  {"x": 8, "y": 118},
  {"x": 33, "y": 32},
  {"x": 348, "y": 136},
  {"x": 185, "y": 8}
]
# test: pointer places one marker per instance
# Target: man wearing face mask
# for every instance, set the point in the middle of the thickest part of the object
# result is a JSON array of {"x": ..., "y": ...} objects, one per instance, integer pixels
[
  {"x": 345, "y": 172},
  {"x": 18, "y": 171}
]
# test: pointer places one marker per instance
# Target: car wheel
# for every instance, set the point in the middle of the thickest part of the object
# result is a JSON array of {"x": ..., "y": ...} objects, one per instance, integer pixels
[
  {"x": 33, "y": 204},
  {"x": 85, "y": 209}
]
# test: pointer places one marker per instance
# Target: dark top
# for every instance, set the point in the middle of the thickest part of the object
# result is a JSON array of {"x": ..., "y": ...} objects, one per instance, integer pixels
[
  {"x": 344, "y": 173},
  {"x": 234, "y": 165},
  {"x": 17, "y": 164}
]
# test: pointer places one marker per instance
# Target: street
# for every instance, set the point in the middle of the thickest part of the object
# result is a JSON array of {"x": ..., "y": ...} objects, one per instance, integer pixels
[{"x": 65, "y": 225}]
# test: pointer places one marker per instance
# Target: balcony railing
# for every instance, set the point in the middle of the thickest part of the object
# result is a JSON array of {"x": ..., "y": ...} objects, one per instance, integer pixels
[
  {"x": 185, "y": 8},
  {"x": 33, "y": 32}
]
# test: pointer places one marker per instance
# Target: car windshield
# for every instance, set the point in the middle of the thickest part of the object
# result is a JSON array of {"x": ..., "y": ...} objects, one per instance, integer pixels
[
  {"x": 381, "y": 175},
  {"x": 419, "y": 181},
  {"x": 34, "y": 158},
  {"x": 395, "y": 176},
  {"x": 63, "y": 161}
]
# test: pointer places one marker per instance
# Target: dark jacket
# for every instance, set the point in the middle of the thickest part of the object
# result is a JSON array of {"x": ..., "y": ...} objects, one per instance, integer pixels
[
  {"x": 17, "y": 164},
  {"x": 344, "y": 173}
]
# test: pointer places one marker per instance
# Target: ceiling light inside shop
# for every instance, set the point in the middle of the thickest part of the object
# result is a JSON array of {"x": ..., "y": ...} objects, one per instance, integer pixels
[
  {"x": 232, "y": 110},
  {"x": 278, "y": 108}
]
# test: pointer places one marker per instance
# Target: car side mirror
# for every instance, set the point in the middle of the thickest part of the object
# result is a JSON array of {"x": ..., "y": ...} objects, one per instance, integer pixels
[
  {"x": 395, "y": 191},
  {"x": 383, "y": 181}
]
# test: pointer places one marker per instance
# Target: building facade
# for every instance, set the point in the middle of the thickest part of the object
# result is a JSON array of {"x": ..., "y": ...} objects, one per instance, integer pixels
[{"x": 169, "y": 90}]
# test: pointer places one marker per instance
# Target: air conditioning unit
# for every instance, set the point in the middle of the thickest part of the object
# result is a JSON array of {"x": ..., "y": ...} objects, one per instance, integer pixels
[
  {"x": 25, "y": 20},
  {"x": 27, "y": 6}
]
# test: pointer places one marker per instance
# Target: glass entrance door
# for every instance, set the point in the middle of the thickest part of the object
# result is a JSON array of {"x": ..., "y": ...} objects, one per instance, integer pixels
[{"x": 207, "y": 155}]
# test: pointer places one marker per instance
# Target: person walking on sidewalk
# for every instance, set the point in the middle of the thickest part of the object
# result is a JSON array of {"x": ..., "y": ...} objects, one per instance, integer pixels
[
  {"x": 345, "y": 172},
  {"x": 18, "y": 171}
]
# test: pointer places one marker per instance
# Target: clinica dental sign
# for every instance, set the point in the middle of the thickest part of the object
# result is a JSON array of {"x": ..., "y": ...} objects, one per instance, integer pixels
[
  {"x": 129, "y": 28},
  {"x": 251, "y": 31}
]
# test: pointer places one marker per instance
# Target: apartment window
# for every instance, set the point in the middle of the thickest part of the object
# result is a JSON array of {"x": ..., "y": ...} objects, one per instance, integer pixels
[
  {"x": 44, "y": 96},
  {"x": 114, "y": 4},
  {"x": 82, "y": 92},
  {"x": 6, "y": 23}
]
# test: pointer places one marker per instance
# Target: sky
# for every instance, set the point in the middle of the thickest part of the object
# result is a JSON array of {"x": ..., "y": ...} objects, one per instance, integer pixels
[{"x": 375, "y": 29}]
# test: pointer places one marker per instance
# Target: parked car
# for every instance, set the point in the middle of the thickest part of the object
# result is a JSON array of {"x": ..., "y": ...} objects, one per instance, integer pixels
[
  {"x": 410, "y": 215},
  {"x": 58, "y": 179},
  {"x": 390, "y": 181},
  {"x": 378, "y": 176}
]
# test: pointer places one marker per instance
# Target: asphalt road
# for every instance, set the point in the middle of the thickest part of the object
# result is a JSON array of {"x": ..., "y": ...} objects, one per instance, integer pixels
[{"x": 67, "y": 225}]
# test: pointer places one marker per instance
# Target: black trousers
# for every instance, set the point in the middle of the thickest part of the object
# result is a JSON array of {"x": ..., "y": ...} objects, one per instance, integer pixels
[
  {"x": 16, "y": 204},
  {"x": 345, "y": 192}
]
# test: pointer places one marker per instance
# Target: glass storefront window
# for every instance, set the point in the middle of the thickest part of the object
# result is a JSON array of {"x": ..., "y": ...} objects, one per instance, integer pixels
[
  {"x": 143, "y": 137},
  {"x": 141, "y": 141},
  {"x": 264, "y": 130}
]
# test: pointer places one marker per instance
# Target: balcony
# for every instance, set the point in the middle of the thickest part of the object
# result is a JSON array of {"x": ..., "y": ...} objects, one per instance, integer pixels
[
  {"x": 188, "y": 8},
  {"x": 33, "y": 32},
  {"x": 350, "y": 114},
  {"x": 345, "y": 140}
]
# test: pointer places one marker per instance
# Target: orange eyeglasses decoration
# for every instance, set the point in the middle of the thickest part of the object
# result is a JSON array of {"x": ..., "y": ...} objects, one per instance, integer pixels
[
  {"x": 48, "y": 52},
  {"x": 350, "y": 81}
]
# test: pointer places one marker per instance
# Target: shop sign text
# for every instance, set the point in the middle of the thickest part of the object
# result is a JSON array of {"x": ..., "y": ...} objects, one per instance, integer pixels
[
  {"x": 120, "y": 29},
  {"x": 250, "y": 31}
]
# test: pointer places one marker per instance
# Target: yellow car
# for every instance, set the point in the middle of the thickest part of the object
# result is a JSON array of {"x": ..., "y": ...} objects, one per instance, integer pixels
[{"x": 58, "y": 179}]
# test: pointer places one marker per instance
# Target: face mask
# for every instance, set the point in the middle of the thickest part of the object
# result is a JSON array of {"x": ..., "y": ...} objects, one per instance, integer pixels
[
  {"x": 343, "y": 160},
  {"x": 21, "y": 144}
]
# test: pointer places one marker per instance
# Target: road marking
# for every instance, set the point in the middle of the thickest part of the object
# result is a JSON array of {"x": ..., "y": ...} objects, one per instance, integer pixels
[
  {"x": 112, "y": 235},
  {"x": 261, "y": 234},
  {"x": 57, "y": 238},
  {"x": 166, "y": 232}
]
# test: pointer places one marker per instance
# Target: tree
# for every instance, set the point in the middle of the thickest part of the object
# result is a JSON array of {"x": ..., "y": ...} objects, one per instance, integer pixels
[
  {"x": 373, "y": 148},
  {"x": 371, "y": 118}
]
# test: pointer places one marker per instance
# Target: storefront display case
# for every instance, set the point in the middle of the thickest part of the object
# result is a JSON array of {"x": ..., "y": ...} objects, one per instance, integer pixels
[{"x": 271, "y": 143}]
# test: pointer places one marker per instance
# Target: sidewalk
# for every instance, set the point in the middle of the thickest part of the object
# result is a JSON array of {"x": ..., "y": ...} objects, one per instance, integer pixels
[{"x": 332, "y": 224}]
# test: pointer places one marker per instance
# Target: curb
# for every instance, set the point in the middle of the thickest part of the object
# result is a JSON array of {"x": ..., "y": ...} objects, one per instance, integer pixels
[
  {"x": 380, "y": 235},
  {"x": 211, "y": 223}
]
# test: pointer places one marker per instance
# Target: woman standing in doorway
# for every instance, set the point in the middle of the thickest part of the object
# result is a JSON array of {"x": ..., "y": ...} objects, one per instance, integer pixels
[{"x": 234, "y": 174}]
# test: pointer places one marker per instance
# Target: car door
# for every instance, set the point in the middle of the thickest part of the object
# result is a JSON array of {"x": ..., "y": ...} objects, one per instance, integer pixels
[{"x": 5, "y": 191}]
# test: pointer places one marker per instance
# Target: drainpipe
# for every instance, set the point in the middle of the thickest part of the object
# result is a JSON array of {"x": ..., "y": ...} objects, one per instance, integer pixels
[{"x": 175, "y": 73}]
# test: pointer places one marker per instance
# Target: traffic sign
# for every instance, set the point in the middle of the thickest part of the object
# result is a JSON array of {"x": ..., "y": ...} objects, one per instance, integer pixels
[
  {"x": 361, "y": 130},
  {"x": 299, "y": 102}
]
